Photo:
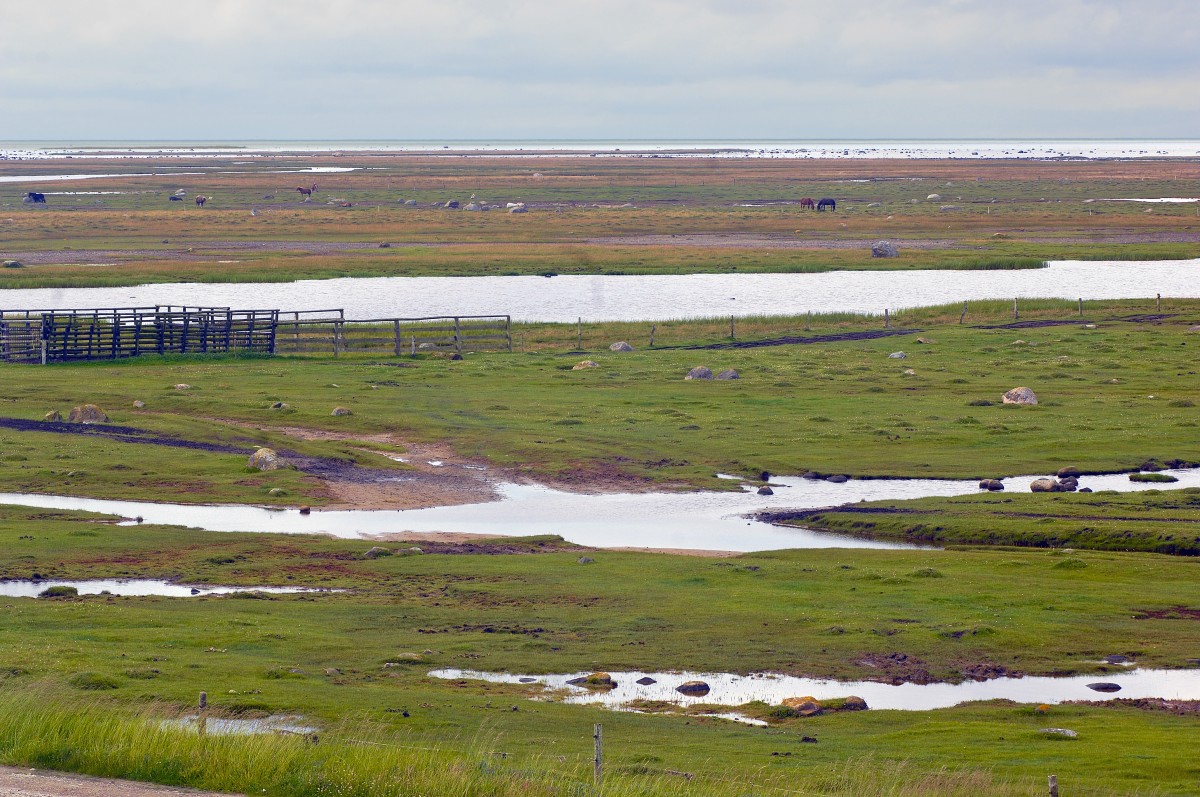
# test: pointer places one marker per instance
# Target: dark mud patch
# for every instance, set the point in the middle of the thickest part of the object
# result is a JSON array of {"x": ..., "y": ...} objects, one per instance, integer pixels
[
  {"x": 796, "y": 340},
  {"x": 1180, "y": 708},
  {"x": 1143, "y": 318},
  {"x": 1173, "y": 613},
  {"x": 896, "y": 668},
  {"x": 121, "y": 434}
]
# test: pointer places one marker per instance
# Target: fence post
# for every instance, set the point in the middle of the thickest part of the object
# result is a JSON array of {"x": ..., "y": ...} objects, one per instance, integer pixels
[
  {"x": 1014, "y": 309},
  {"x": 808, "y": 322},
  {"x": 414, "y": 344},
  {"x": 579, "y": 335},
  {"x": 887, "y": 321},
  {"x": 963, "y": 317},
  {"x": 337, "y": 338},
  {"x": 43, "y": 351},
  {"x": 1081, "y": 306},
  {"x": 1158, "y": 300},
  {"x": 396, "y": 329},
  {"x": 598, "y": 762},
  {"x": 1054, "y": 786},
  {"x": 508, "y": 334},
  {"x": 653, "y": 329},
  {"x": 732, "y": 335},
  {"x": 202, "y": 714},
  {"x": 457, "y": 338}
]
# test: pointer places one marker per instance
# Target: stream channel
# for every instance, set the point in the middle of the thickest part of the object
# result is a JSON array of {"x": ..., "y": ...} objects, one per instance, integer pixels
[
  {"x": 596, "y": 298},
  {"x": 706, "y": 520}
]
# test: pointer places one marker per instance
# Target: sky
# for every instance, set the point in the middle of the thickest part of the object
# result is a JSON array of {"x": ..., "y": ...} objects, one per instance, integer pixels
[{"x": 599, "y": 69}]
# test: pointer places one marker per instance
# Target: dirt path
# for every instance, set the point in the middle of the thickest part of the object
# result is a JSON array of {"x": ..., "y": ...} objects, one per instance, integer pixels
[{"x": 18, "y": 782}]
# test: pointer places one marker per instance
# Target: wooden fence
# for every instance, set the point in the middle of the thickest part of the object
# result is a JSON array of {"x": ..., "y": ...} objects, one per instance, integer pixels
[
  {"x": 396, "y": 336},
  {"x": 55, "y": 335}
]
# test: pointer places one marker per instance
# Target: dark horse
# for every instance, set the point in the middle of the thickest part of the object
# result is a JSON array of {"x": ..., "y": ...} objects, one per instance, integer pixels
[
  {"x": 35, "y": 197},
  {"x": 827, "y": 203},
  {"x": 807, "y": 202},
  {"x": 307, "y": 192},
  {"x": 200, "y": 200}
]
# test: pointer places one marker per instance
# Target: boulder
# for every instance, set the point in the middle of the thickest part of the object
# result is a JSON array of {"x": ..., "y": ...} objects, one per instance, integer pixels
[
  {"x": 949, "y": 208},
  {"x": 139, "y": 404},
  {"x": 620, "y": 346},
  {"x": 699, "y": 372},
  {"x": 884, "y": 249},
  {"x": 597, "y": 680},
  {"x": 340, "y": 412},
  {"x": 728, "y": 373},
  {"x": 991, "y": 485},
  {"x": 897, "y": 355},
  {"x": 765, "y": 490},
  {"x": 854, "y": 703},
  {"x": 472, "y": 206},
  {"x": 87, "y": 413},
  {"x": 279, "y": 405},
  {"x": 1068, "y": 485},
  {"x": 412, "y": 203},
  {"x": 803, "y": 706},
  {"x": 585, "y": 560},
  {"x": 811, "y": 474},
  {"x": 837, "y": 478},
  {"x": 1104, "y": 686},
  {"x": 54, "y": 416},
  {"x": 1070, "y": 470},
  {"x": 518, "y": 210},
  {"x": 645, "y": 680},
  {"x": 1070, "y": 734},
  {"x": 265, "y": 459},
  {"x": 1043, "y": 486},
  {"x": 693, "y": 688},
  {"x": 376, "y": 552},
  {"x": 934, "y": 197},
  {"x": 452, "y": 204},
  {"x": 1020, "y": 395},
  {"x": 585, "y": 364}
]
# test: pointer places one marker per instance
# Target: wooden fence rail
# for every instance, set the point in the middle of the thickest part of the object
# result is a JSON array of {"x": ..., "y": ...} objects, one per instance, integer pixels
[{"x": 58, "y": 335}]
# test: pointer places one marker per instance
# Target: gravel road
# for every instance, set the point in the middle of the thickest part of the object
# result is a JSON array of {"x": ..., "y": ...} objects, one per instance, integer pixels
[{"x": 18, "y": 782}]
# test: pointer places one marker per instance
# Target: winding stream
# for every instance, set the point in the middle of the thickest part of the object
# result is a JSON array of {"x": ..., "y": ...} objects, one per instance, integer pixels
[
  {"x": 635, "y": 298},
  {"x": 706, "y": 520}
]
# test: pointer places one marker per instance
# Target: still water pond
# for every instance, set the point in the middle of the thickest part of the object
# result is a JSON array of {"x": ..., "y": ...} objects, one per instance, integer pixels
[
  {"x": 132, "y": 587},
  {"x": 734, "y": 690},
  {"x": 699, "y": 520},
  {"x": 633, "y": 298}
]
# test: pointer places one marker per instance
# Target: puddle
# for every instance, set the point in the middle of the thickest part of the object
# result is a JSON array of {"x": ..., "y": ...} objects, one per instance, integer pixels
[
  {"x": 1168, "y": 199},
  {"x": 705, "y": 520},
  {"x": 137, "y": 588},
  {"x": 243, "y": 727},
  {"x": 735, "y": 690}
]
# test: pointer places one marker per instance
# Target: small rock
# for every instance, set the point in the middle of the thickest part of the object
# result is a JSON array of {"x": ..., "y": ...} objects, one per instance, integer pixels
[
  {"x": 265, "y": 459},
  {"x": 1116, "y": 658},
  {"x": 1070, "y": 734},
  {"x": 1104, "y": 686},
  {"x": 645, "y": 680},
  {"x": 949, "y": 208},
  {"x": 765, "y": 490},
  {"x": 54, "y": 416},
  {"x": 897, "y": 355},
  {"x": 585, "y": 364},
  {"x": 910, "y": 372},
  {"x": 585, "y": 560},
  {"x": 620, "y": 346},
  {"x": 991, "y": 485},
  {"x": 884, "y": 249},
  {"x": 1020, "y": 395},
  {"x": 276, "y": 492},
  {"x": 385, "y": 245},
  {"x": 693, "y": 688},
  {"x": 518, "y": 210},
  {"x": 340, "y": 412},
  {"x": 412, "y": 203},
  {"x": 728, "y": 373},
  {"x": 139, "y": 404},
  {"x": 837, "y": 478},
  {"x": 812, "y": 474},
  {"x": 1068, "y": 485},
  {"x": 934, "y": 197},
  {"x": 87, "y": 413},
  {"x": 1085, "y": 489},
  {"x": 924, "y": 340},
  {"x": 305, "y": 510},
  {"x": 332, "y": 671},
  {"x": 597, "y": 680},
  {"x": 279, "y": 405},
  {"x": 699, "y": 372},
  {"x": 376, "y": 552},
  {"x": 181, "y": 386},
  {"x": 854, "y": 703}
]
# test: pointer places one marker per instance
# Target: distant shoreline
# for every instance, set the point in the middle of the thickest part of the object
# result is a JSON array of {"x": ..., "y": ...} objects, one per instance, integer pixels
[{"x": 1022, "y": 149}]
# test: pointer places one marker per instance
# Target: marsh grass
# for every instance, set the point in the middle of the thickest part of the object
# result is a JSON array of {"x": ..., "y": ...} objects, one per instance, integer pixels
[{"x": 41, "y": 728}]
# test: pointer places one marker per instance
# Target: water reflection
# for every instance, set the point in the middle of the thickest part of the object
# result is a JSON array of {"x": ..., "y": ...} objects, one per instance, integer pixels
[
  {"x": 735, "y": 690},
  {"x": 134, "y": 587}
]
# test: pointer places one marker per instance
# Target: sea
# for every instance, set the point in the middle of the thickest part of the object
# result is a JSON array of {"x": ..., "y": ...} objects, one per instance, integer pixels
[{"x": 1032, "y": 149}]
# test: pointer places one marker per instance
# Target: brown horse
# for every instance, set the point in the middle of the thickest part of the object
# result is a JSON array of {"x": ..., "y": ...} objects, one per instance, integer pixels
[
  {"x": 808, "y": 202},
  {"x": 307, "y": 192},
  {"x": 200, "y": 200}
]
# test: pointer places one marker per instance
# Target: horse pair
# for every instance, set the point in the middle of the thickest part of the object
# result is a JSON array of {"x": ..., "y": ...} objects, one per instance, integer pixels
[
  {"x": 820, "y": 204},
  {"x": 35, "y": 197}
]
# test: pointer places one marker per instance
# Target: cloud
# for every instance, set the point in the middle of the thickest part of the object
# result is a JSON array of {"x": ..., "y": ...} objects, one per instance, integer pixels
[{"x": 361, "y": 68}]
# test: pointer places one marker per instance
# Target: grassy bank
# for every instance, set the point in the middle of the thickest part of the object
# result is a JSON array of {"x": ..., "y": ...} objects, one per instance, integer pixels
[
  {"x": 86, "y": 681},
  {"x": 1111, "y": 397}
]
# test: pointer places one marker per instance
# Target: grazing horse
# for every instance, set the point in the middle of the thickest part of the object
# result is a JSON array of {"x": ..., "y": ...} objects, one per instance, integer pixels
[
  {"x": 200, "y": 200},
  {"x": 807, "y": 202},
  {"x": 35, "y": 197},
  {"x": 307, "y": 192},
  {"x": 827, "y": 203}
]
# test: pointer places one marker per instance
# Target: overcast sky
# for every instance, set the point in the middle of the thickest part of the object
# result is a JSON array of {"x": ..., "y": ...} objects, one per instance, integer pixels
[{"x": 534, "y": 69}]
